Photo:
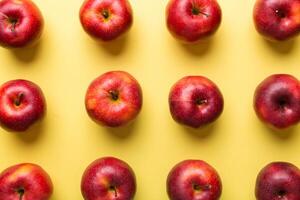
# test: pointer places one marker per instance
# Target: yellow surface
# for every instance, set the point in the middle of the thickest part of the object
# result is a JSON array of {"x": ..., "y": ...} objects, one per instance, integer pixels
[{"x": 67, "y": 60}]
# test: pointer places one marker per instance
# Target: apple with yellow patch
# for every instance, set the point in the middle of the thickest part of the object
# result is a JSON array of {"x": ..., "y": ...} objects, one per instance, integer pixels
[
  {"x": 114, "y": 99},
  {"x": 25, "y": 182},
  {"x": 106, "y": 20}
]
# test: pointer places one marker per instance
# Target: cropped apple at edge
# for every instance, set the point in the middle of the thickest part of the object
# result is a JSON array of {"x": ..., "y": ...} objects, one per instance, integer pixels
[
  {"x": 278, "y": 181},
  {"x": 114, "y": 99},
  {"x": 192, "y": 21},
  {"x": 21, "y": 23},
  {"x": 25, "y": 181},
  {"x": 193, "y": 180},
  {"x": 108, "y": 178},
  {"x": 22, "y": 104},
  {"x": 277, "y": 101},
  {"x": 277, "y": 20}
]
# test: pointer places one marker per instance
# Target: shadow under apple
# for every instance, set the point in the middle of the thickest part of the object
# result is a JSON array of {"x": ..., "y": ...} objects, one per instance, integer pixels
[
  {"x": 27, "y": 54},
  {"x": 282, "y": 133},
  {"x": 31, "y": 134},
  {"x": 115, "y": 47},
  {"x": 201, "y": 132},
  {"x": 122, "y": 132},
  {"x": 282, "y": 47},
  {"x": 200, "y": 48}
]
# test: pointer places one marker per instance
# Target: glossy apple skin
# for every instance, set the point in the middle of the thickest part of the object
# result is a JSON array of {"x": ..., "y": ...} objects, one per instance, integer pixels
[
  {"x": 194, "y": 180},
  {"x": 27, "y": 27},
  {"x": 105, "y": 110},
  {"x": 195, "y": 101},
  {"x": 277, "y": 20},
  {"x": 278, "y": 181},
  {"x": 30, "y": 178},
  {"x": 191, "y": 27},
  {"x": 108, "y": 178},
  {"x": 98, "y": 25},
  {"x": 277, "y": 101},
  {"x": 22, "y": 103}
]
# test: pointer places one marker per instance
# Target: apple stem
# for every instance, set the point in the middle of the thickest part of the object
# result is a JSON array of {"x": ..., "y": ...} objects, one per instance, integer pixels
[
  {"x": 18, "y": 100},
  {"x": 201, "y": 101},
  {"x": 11, "y": 20},
  {"x": 21, "y": 196},
  {"x": 114, "y": 95},
  {"x": 113, "y": 188},
  {"x": 203, "y": 13},
  {"x": 14, "y": 22},
  {"x": 196, "y": 11},
  {"x": 13, "y": 27},
  {"x": 21, "y": 193},
  {"x": 196, "y": 187},
  {"x": 105, "y": 14}
]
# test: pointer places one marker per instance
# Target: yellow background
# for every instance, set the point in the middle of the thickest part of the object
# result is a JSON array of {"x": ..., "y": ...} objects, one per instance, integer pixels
[{"x": 67, "y": 60}]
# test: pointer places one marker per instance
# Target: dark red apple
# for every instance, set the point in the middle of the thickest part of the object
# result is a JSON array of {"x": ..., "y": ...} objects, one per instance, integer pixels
[
  {"x": 114, "y": 99},
  {"x": 108, "y": 179},
  {"x": 277, "y": 101},
  {"x": 22, "y": 103},
  {"x": 25, "y": 182},
  {"x": 195, "y": 101},
  {"x": 278, "y": 181},
  {"x": 106, "y": 19},
  {"x": 277, "y": 20},
  {"x": 21, "y": 23},
  {"x": 193, "y": 20},
  {"x": 194, "y": 180}
]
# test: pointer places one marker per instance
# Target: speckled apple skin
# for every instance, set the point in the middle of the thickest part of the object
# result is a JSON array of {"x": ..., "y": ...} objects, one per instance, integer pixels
[
  {"x": 105, "y": 111},
  {"x": 32, "y": 178},
  {"x": 277, "y": 20},
  {"x": 183, "y": 99},
  {"x": 32, "y": 106},
  {"x": 193, "y": 173},
  {"x": 29, "y": 27},
  {"x": 277, "y": 101},
  {"x": 278, "y": 181},
  {"x": 119, "y": 22},
  {"x": 190, "y": 28},
  {"x": 105, "y": 173}
]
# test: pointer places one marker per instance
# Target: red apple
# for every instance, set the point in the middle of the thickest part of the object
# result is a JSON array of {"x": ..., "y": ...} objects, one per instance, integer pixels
[
  {"x": 195, "y": 101},
  {"x": 114, "y": 99},
  {"x": 277, "y": 101},
  {"x": 277, "y": 20},
  {"x": 21, "y": 23},
  {"x": 194, "y": 180},
  {"x": 22, "y": 103},
  {"x": 193, "y": 20},
  {"x": 25, "y": 182},
  {"x": 108, "y": 179},
  {"x": 106, "y": 20},
  {"x": 278, "y": 181}
]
